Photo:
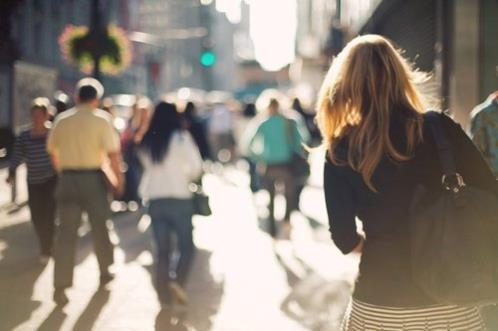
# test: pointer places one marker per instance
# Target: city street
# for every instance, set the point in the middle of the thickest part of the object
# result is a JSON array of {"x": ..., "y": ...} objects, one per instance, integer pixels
[
  {"x": 156, "y": 102},
  {"x": 240, "y": 280}
]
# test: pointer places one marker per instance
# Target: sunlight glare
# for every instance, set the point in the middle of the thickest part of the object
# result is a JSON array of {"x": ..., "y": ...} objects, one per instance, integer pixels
[{"x": 273, "y": 31}]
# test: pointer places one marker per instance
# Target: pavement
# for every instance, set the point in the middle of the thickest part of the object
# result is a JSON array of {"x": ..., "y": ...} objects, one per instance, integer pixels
[{"x": 241, "y": 279}]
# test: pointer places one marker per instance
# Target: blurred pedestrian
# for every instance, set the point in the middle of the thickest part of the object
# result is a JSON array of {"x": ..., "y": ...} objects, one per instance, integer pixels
[
  {"x": 61, "y": 102},
  {"x": 80, "y": 143},
  {"x": 272, "y": 144},
  {"x": 484, "y": 130},
  {"x": 30, "y": 147},
  {"x": 249, "y": 110},
  {"x": 308, "y": 119},
  {"x": 132, "y": 135},
  {"x": 221, "y": 132},
  {"x": 305, "y": 122},
  {"x": 247, "y": 120},
  {"x": 139, "y": 121},
  {"x": 380, "y": 148},
  {"x": 171, "y": 162},
  {"x": 108, "y": 106},
  {"x": 197, "y": 128}
]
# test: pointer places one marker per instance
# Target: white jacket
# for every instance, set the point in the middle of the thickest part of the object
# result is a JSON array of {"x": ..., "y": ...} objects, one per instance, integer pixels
[{"x": 171, "y": 177}]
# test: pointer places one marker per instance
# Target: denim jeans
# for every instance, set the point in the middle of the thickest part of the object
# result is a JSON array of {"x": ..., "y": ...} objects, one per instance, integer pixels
[{"x": 171, "y": 217}]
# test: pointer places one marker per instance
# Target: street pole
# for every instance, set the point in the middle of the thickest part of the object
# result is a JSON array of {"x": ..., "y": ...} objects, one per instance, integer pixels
[
  {"x": 205, "y": 21},
  {"x": 9, "y": 54},
  {"x": 96, "y": 31}
]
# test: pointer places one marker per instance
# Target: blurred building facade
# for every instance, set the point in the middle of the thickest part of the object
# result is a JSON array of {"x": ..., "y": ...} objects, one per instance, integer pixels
[
  {"x": 38, "y": 68},
  {"x": 317, "y": 21},
  {"x": 455, "y": 40},
  {"x": 182, "y": 31},
  {"x": 251, "y": 78},
  {"x": 167, "y": 58}
]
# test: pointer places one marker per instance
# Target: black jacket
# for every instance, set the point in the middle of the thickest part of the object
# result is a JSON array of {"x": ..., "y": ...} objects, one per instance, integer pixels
[{"x": 385, "y": 277}]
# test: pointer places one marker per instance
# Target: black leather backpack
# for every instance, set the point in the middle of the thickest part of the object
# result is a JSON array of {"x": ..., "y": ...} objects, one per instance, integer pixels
[{"x": 454, "y": 234}]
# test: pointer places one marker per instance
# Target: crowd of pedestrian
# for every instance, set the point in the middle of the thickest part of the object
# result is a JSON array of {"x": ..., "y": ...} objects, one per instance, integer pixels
[
  {"x": 380, "y": 148},
  {"x": 79, "y": 161}
]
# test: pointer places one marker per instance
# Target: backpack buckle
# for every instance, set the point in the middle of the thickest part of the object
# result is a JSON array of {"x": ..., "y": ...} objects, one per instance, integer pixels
[{"x": 453, "y": 182}]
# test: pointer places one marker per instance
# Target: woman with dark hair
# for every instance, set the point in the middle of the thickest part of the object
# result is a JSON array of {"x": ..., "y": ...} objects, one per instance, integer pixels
[
  {"x": 171, "y": 161},
  {"x": 197, "y": 128}
]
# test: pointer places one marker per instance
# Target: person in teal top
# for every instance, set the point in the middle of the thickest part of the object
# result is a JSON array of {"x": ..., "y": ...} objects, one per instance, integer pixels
[
  {"x": 484, "y": 130},
  {"x": 271, "y": 142}
]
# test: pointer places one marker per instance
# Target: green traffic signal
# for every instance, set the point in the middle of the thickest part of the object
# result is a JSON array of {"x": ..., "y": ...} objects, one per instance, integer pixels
[{"x": 207, "y": 59}]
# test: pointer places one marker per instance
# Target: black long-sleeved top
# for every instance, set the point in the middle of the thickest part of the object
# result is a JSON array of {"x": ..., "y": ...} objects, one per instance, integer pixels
[{"x": 385, "y": 276}]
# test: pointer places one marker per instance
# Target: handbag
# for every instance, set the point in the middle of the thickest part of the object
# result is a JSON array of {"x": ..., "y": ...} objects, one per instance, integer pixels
[
  {"x": 200, "y": 200},
  {"x": 454, "y": 234},
  {"x": 299, "y": 165},
  {"x": 201, "y": 204}
]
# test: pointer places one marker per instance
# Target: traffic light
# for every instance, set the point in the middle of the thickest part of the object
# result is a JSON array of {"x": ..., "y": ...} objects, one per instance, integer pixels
[{"x": 207, "y": 58}]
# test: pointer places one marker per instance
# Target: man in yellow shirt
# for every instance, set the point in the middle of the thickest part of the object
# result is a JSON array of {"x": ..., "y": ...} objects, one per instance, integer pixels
[{"x": 81, "y": 143}]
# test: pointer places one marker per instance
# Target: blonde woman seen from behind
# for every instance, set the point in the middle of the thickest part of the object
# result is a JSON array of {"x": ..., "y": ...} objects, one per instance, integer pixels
[{"x": 370, "y": 114}]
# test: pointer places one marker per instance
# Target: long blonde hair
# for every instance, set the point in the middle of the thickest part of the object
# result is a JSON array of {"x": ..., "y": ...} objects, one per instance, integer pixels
[{"x": 366, "y": 83}]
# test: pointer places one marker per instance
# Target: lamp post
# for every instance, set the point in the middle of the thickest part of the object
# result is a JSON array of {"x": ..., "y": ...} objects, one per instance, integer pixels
[
  {"x": 8, "y": 55},
  {"x": 97, "y": 31},
  {"x": 9, "y": 52}
]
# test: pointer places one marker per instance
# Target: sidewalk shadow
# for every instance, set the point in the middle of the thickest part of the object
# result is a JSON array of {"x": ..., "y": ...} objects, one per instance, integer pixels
[
  {"x": 53, "y": 321},
  {"x": 19, "y": 270},
  {"x": 125, "y": 226},
  {"x": 205, "y": 294},
  {"x": 131, "y": 239},
  {"x": 314, "y": 302},
  {"x": 14, "y": 208},
  {"x": 92, "y": 311}
]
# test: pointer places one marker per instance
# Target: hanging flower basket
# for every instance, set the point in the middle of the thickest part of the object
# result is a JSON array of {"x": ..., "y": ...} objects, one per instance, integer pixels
[{"x": 79, "y": 45}]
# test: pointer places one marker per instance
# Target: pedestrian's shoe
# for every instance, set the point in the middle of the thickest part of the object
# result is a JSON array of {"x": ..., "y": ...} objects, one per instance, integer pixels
[
  {"x": 60, "y": 297},
  {"x": 43, "y": 259},
  {"x": 178, "y": 293},
  {"x": 106, "y": 278}
]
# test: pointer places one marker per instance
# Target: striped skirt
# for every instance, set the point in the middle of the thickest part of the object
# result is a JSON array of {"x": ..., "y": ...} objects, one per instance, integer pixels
[{"x": 362, "y": 316}]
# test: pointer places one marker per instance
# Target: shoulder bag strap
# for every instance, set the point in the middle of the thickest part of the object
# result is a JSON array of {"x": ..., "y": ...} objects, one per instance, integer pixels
[
  {"x": 451, "y": 180},
  {"x": 289, "y": 133}
]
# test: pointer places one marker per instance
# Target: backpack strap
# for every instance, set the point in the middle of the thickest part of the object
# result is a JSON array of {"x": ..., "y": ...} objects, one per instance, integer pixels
[
  {"x": 289, "y": 133},
  {"x": 451, "y": 180}
]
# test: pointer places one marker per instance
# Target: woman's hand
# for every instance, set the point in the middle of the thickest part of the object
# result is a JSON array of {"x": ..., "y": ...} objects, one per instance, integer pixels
[{"x": 10, "y": 180}]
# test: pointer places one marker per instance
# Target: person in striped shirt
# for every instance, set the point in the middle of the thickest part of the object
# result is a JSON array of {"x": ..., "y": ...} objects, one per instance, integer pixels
[{"x": 30, "y": 148}]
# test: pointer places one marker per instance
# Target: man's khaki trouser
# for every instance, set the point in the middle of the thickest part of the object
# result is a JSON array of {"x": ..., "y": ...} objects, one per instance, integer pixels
[{"x": 78, "y": 192}]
